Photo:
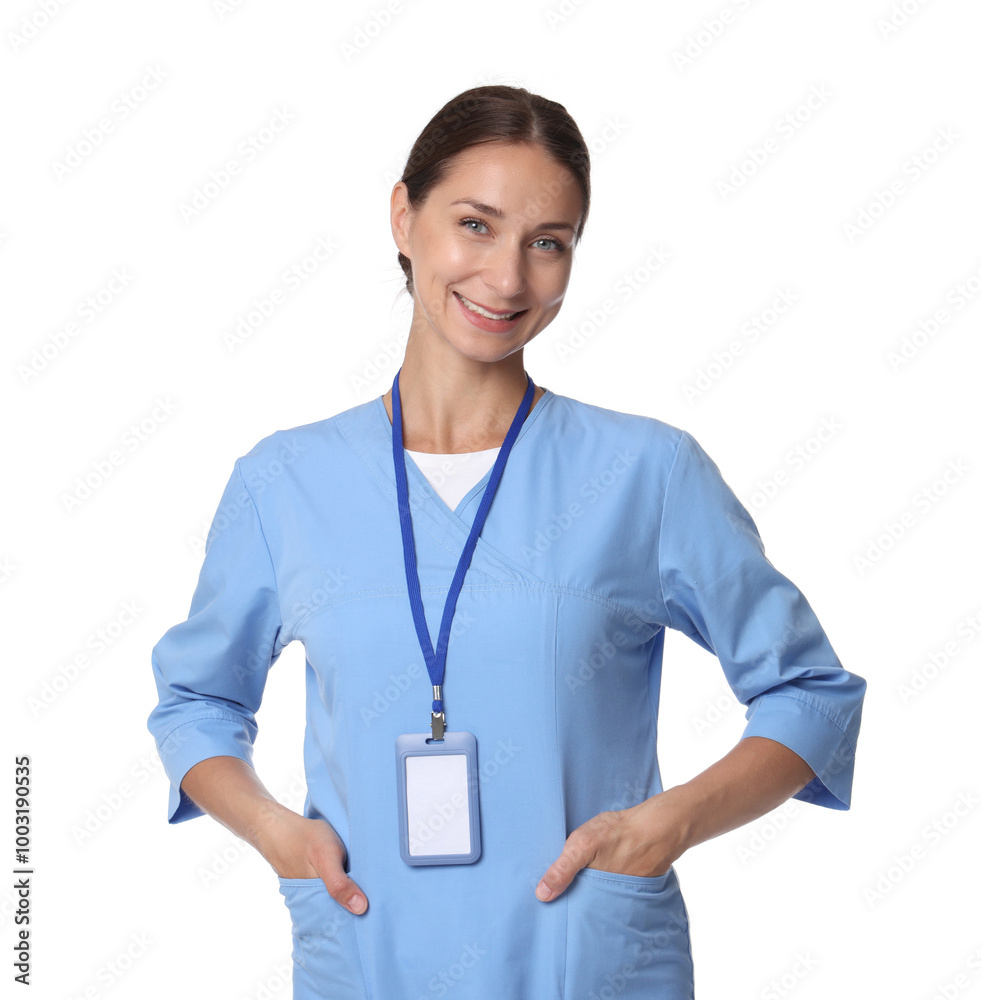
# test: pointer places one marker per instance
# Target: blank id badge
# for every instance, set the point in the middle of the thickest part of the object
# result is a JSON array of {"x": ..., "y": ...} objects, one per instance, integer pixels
[{"x": 439, "y": 815}]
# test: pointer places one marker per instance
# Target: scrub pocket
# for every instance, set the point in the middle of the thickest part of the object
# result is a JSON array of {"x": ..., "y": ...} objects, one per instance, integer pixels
[
  {"x": 326, "y": 956},
  {"x": 627, "y": 937}
]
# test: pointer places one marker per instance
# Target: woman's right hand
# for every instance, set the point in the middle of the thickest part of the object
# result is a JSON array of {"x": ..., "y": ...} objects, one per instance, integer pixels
[
  {"x": 298, "y": 847},
  {"x": 228, "y": 788}
]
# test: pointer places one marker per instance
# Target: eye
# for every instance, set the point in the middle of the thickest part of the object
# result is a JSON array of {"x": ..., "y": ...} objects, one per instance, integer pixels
[
  {"x": 464, "y": 222},
  {"x": 559, "y": 246}
]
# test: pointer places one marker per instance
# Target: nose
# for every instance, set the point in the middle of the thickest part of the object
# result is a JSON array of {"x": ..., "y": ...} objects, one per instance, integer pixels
[{"x": 505, "y": 271}]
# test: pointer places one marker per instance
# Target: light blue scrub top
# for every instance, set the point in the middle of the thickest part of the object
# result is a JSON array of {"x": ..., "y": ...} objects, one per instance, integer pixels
[{"x": 607, "y": 528}]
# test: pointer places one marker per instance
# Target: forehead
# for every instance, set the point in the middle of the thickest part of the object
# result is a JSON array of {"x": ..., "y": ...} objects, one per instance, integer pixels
[{"x": 512, "y": 176}]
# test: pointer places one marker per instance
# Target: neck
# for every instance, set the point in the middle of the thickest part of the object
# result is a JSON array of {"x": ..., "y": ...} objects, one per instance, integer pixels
[{"x": 455, "y": 404}]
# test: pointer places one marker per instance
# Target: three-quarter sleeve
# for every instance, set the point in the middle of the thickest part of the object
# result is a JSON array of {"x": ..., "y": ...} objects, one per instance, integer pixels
[
  {"x": 721, "y": 590},
  {"x": 210, "y": 670}
]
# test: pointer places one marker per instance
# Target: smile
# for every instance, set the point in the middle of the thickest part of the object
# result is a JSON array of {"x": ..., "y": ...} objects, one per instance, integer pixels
[{"x": 481, "y": 311}]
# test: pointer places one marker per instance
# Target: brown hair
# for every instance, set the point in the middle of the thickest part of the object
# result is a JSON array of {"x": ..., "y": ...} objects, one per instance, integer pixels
[{"x": 493, "y": 113}]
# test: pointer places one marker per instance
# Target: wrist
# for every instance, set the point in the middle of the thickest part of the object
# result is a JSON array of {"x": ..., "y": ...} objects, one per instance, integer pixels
[
  {"x": 266, "y": 824},
  {"x": 686, "y": 808}
]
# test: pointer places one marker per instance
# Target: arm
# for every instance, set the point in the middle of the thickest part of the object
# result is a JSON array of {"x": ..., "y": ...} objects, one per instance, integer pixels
[
  {"x": 757, "y": 775},
  {"x": 229, "y": 790},
  {"x": 210, "y": 672},
  {"x": 803, "y": 708}
]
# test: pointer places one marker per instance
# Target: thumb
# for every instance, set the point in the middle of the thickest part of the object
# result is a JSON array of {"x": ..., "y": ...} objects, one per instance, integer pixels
[
  {"x": 345, "y": 890},
  {"x": 558, "y": 876}
]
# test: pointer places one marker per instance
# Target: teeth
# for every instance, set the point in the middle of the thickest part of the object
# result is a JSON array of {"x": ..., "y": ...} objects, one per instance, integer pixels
[{"x": 480, "y": 311}]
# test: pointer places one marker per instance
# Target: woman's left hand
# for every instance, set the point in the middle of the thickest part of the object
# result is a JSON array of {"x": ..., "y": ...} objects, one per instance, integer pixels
[{"x": 645, "y": 839}]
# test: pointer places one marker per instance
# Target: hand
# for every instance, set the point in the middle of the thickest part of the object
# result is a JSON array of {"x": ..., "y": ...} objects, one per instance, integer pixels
[
  {"x": 643, "y": 840},
  {"x": 298, "y": 847}
]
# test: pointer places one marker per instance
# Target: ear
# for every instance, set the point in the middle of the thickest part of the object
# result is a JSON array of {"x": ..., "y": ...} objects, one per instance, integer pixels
[{"x": 401, "y": 217}]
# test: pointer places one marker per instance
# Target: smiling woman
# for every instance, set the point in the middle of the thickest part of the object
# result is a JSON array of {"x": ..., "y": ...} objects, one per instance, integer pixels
[
  {"x": 510, "y": 834},
  {"x": 503, "y": 270}
]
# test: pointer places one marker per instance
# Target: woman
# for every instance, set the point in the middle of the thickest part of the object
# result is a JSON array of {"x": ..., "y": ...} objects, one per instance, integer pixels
[{"x": 512, "y": 837}]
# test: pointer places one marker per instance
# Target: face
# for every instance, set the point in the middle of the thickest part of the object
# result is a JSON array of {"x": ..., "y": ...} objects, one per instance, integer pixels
[{"x": 495, "y": 233}]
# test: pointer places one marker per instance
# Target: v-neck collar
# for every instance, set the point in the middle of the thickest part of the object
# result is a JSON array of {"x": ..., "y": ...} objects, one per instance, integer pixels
[{"x": 418, "y": 477}]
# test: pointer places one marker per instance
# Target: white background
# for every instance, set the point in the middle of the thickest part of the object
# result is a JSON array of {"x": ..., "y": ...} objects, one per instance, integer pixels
[{"x": 188, "y": 910}]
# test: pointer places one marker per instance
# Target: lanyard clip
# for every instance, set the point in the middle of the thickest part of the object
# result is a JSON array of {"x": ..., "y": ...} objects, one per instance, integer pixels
[
  {"x": 439, "y": 718},
  {"x": 439, "y": 725}
]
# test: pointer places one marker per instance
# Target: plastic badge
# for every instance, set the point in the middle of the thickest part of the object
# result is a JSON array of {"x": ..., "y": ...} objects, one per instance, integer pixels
[{"x": 439, "y": 809}]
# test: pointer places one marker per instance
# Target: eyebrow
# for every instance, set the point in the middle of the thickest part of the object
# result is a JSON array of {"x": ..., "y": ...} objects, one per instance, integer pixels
[{"x": 496, "y": 213}]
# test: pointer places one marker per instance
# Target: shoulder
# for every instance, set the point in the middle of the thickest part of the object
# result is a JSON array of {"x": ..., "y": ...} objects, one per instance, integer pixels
[
  {"x": 577, "y": 419},
  {"x": 286, "y": 444}
]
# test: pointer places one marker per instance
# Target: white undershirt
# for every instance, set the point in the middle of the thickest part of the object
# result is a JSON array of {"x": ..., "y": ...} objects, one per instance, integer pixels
[{"x": 453, "y": 476}]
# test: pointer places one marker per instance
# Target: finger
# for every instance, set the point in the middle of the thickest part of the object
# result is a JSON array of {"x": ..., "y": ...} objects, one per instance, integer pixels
[
  {"x": 559, "y": 874},
  {"x": 345, "y": 890}
]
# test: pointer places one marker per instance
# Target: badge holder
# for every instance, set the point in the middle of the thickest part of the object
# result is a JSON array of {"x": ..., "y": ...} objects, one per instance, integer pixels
[{"x": 439, "y": 817}]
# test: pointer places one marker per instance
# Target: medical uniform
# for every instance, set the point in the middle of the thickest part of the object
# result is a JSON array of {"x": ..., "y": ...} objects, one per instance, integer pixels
[{"x": 606, "y": 529}]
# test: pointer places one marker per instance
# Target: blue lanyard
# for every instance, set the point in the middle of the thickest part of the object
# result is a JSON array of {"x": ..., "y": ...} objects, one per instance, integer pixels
[{"x": 436, "y": 661}]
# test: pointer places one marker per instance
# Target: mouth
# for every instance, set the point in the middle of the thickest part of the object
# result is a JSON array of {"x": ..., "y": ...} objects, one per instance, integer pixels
[{"x": 488, "y": 314}]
